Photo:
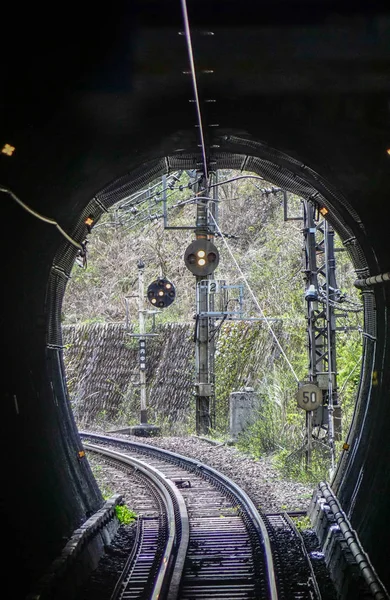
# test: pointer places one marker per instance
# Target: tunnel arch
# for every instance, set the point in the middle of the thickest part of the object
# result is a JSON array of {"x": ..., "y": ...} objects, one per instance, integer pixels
[
  {"x": 352, "y": 481},
  {"x": 282, "y": 170}
]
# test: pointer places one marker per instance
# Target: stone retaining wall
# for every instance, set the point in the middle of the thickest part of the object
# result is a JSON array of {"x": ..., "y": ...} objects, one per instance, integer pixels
[{"x": 102, "y": 369}]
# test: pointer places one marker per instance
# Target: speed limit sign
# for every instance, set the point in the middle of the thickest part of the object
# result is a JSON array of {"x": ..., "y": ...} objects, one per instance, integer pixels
[{"x": 309, "y": 396}]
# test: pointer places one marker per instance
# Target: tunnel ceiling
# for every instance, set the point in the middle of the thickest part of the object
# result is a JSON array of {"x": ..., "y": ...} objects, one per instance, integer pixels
[
  {"x": 87, "y": 101},
  {"x": 90, "y": 99}
]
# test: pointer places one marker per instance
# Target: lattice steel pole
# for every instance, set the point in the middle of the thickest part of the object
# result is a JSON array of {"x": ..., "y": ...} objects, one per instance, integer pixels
[
  {"x": 311, "y": 296},
  {"x": 321, "y": 321}
]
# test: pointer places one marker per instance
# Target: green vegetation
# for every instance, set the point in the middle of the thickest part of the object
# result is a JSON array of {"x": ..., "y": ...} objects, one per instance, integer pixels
[
  {"x": 268, "y": 250},
  {"x": 125, "y": 515},
  {"x": 302, "y": 523}
]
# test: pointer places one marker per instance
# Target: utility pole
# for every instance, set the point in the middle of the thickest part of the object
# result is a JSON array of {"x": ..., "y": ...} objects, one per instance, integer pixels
[
  {"x": 334, "y": 408},
  {"x": 144, "y": 428},
  {"x": 203, "y": 385},
  {"x": 142, "y": 343},
  {"x": 213, "y": 209},
  {"x": 201, "y": 258},
  {"x": 320, "y": 295},
  {"x": 311, "y": 296}
]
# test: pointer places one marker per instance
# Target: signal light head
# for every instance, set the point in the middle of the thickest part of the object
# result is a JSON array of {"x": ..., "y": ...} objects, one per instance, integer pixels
[
  {"x": 201, "y": 257},
  {"x": 191, "y": 259},
  {"x": 161, "y": 292}
]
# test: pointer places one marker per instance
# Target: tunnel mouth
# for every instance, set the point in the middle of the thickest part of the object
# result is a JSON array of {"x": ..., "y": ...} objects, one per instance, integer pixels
[{"x": 240, "y": 154}]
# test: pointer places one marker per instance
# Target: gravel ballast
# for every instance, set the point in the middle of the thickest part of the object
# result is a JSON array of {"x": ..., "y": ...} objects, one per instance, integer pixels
[{"x": 257, "y": 477}]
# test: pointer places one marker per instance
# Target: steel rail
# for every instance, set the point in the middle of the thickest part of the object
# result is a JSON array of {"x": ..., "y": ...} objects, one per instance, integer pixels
[
  {"x": 130, "y": 561},
  {"x": 172, "y": 563},
  {"x": 299, "y": 582},
  {"x": 246, "y": 503}
]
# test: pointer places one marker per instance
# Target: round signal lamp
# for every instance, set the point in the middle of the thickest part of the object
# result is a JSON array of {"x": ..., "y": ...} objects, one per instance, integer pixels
[
  {"x": 201, "y": 257},
  {"x": 161, "y": 292}
]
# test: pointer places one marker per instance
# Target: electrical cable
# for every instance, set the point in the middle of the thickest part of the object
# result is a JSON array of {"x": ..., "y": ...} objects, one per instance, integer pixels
[
  {"x": 195, "y": 84},
  {"x": 133, "y": 197},
  {"x": 126, "y": 208},
  {"x": 267, "y": 192},
  {"x": 236, "y": 179},
  {"x": 349, "y": 375},
  {"x": 339, "y": 305},
  {"x": 218, "y": 328},
  {"x": 42, "y": 218},
  {"x": 254, "y": 297}
]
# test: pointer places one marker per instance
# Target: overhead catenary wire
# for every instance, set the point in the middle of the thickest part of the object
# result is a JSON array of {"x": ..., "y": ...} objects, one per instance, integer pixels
[
  {"x": 350, "y": 375},
  {"x": 254, "y": 298},
  {"x": 236, "y": 179},
  {"x": 42, "y": 218},
  {"x": 195, "y": 85}
]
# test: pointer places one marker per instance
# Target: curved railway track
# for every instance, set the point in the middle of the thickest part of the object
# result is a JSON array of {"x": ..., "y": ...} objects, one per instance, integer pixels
[
  {"x": 227, "y": 549},
  {"x": 154, "y": 567},
  {"x": 229, "y": 553}
]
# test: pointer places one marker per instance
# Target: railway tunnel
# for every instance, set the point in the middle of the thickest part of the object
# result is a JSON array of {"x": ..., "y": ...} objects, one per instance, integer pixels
[{"x": 94, "y": 105}]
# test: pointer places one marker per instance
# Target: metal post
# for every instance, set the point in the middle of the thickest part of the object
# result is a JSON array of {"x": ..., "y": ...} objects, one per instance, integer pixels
[
  {"x": 331, "y": 278},
  {"x": 309, "y": 443},
  {"x": 315, "y": 342},
  {"x": 164, "y": 198},
  {"x": 203, "y": 388},
  {"x": 331, "y": 334},
  {"x": 141, "y": 318},
  {"x": 321, "y": 327},
  {"x": 211, "y": 306},
  {"x": 202, "y": 364}
]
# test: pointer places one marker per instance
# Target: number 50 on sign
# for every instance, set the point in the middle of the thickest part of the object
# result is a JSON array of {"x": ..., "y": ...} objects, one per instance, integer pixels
[{"x": 309, "y": 396}]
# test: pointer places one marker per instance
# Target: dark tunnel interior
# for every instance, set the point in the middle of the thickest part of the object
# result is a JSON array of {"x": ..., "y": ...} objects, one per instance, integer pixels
[{"x": 97, "y": 102}]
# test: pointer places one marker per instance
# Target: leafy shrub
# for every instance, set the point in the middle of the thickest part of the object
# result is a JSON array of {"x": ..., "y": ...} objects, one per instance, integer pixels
[{"x": 124, "y": 514}]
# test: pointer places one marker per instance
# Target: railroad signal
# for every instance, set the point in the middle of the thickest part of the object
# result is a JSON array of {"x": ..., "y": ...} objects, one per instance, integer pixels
[
  {"x": 161, "y": 293},
  {"x": 201, "y": 257}
]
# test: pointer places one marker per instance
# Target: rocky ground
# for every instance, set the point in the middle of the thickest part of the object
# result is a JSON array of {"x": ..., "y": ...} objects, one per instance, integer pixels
[{"x": 269, "y": 491}]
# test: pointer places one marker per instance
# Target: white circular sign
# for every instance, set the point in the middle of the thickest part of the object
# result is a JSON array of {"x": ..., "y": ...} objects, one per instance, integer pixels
[{"x": 309, "y": 396}]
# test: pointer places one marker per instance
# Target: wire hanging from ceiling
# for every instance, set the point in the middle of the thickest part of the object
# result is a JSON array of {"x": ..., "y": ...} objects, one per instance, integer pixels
[
  {"x": 187, "y": 33},
  {"x": 42, "y": 218}
]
